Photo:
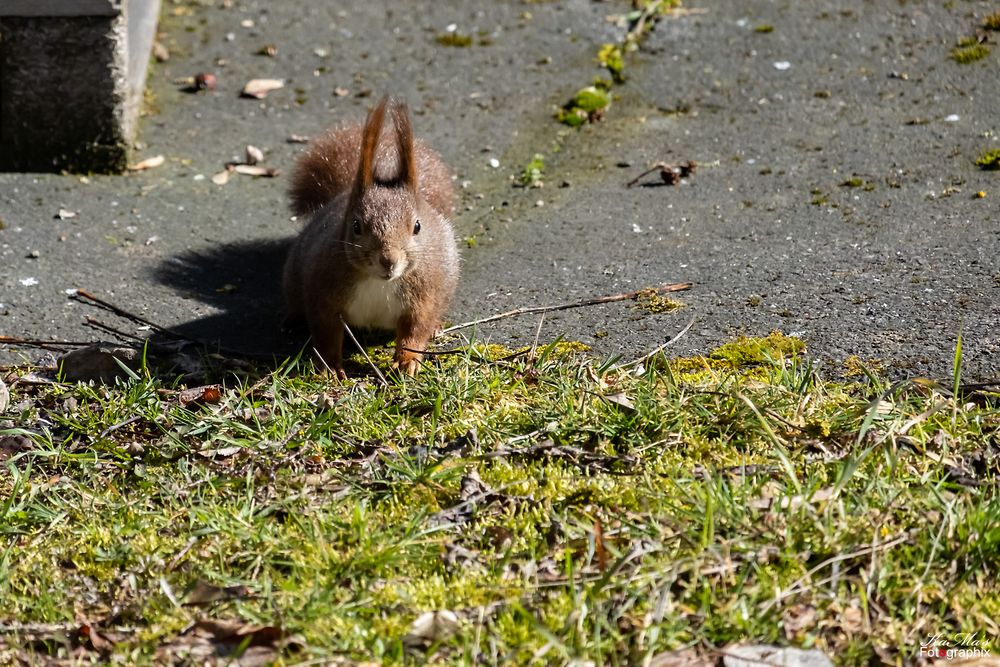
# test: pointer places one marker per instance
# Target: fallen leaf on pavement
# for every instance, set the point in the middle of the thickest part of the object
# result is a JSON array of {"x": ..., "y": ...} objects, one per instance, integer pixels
[
  {"x": 259, "y": 88},
  {"x": 148, "y": 163},
  {"x": 256, "y": 170},
  {"x": 253, "y": 155}
]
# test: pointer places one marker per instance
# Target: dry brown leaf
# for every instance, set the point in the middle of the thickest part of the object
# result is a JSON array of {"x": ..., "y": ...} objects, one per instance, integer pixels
[
  {"x": 787, "y": 656},
  {"x": 256, "y": 170},
  {"x": 852, "y": 620},
  {"x": 205, "y": 593},
  {"x": 14, "y": 444},
  {"x": 221, "y": 452},
  {"x": 259, "y": 88},
  {"x": 211, "y": 393},
  {"x": 96, "y": 639},
  {"x": 687, "y": 658},
  {"x": 160, "y": 52},
  {"x": 798, "y": 618},
  {"x": 600, "y": 551},
  {"x": 148, "y": 163},
  {"x": 237, "y": 632},
  {"x": 621, "y": 400},
  {"x": 791, "y": 502},
  {"x": 210, "y": 641},
  {"x": 431, "y": 626},
  {"x": 253, "y": 155}
]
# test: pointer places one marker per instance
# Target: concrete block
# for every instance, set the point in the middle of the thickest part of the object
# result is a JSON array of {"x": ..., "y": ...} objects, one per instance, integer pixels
[{"x": 72, "y": 74}]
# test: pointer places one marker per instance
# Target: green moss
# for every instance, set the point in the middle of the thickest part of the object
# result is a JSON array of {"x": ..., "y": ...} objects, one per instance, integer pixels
[
  {"x": 592, "y": 98},
  {"x": 652, "y": 302},
  {"x": 610, "y": 56},
  {"x": 854, "y": 366},
  {"x": 745, "y": 350},
  {"x": 854, "y": 182},
  {"x": 989, "y": 160},
  {"x": 453, "y": 39},
  {"x": 764, "y": 29},
  {"x": 992, "y": 22},
  {"x": 969, "y": 50},
  {"x": 568, "y": 347},
  {"x": 531, "y": 175},
  {"x": 587, "y": 105}
]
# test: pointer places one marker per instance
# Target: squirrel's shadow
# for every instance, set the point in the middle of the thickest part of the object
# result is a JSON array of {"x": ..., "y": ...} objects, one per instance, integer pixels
[{"x": 242, "y": 281}]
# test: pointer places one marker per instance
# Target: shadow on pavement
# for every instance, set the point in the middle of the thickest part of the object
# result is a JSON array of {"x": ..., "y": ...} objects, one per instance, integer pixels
[{"x": 241, "y": 282}]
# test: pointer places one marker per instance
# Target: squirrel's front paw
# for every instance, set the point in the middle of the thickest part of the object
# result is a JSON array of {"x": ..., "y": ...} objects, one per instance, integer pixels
[
  {"x": 330, "y": 372},
  {"x": 406, "y": 362}
]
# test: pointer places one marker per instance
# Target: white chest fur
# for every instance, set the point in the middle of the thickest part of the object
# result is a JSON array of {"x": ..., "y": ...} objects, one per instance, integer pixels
[{"x": 374, "y": 304}]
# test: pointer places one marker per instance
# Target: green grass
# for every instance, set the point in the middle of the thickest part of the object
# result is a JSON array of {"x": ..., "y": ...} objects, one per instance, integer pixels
[{"x": 557, "y": 507}]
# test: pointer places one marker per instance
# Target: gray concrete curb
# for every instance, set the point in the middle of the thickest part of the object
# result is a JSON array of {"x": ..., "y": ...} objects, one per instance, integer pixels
[{"x": 71, "y": 82}]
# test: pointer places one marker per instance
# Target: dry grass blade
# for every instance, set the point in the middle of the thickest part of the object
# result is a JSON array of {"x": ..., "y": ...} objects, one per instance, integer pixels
[{"x": 663, "y": 289}]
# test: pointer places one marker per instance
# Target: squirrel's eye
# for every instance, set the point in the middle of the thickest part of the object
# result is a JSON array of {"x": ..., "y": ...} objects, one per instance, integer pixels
[
  {"x": 357, "y": 226},
  {"x": 416, "y": 228}
]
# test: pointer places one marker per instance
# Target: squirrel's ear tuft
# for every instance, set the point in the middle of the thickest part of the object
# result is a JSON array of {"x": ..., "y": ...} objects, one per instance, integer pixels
[
  {"x": 404, "y": 143},
  {"x": 369, "y": 144}
]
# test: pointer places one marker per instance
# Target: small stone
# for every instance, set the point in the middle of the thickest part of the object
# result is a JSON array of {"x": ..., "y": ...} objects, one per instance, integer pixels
[
  {"x": 4, "y": 397},
  {"x": 98, "y": 362}
]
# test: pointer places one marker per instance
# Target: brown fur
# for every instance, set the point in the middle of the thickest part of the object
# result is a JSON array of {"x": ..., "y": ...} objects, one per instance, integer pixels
[
  {"x": 330, "y": 164},
  {"x": 386, "y": 276}
]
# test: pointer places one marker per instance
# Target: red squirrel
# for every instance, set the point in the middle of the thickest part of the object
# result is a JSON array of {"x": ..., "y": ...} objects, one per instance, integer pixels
[{"x": 379, "y": 249}]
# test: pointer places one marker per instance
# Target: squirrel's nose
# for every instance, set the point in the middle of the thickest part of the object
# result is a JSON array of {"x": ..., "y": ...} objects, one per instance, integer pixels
[{"x": 393, "y": 264}]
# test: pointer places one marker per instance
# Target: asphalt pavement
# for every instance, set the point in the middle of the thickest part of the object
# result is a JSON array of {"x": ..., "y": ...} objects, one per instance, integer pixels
[{"x": 836, "y": 195}]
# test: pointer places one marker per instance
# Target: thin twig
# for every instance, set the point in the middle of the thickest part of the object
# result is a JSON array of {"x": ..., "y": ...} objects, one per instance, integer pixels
[
  {"x": 90, "y": 299},
  {"x": 34, "y": 342},
  {"x": 663, "y": 289},
  {"x": 107, "y": 328},
  {"x": 538, "y": 334},
  {"x": 56, "y": 628},
  {"x": 385, "y": 383},
  {"x": 121, "y": 424},
  {"x": 87, "y": 296},
  {"x": 655, "y": 352}
]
